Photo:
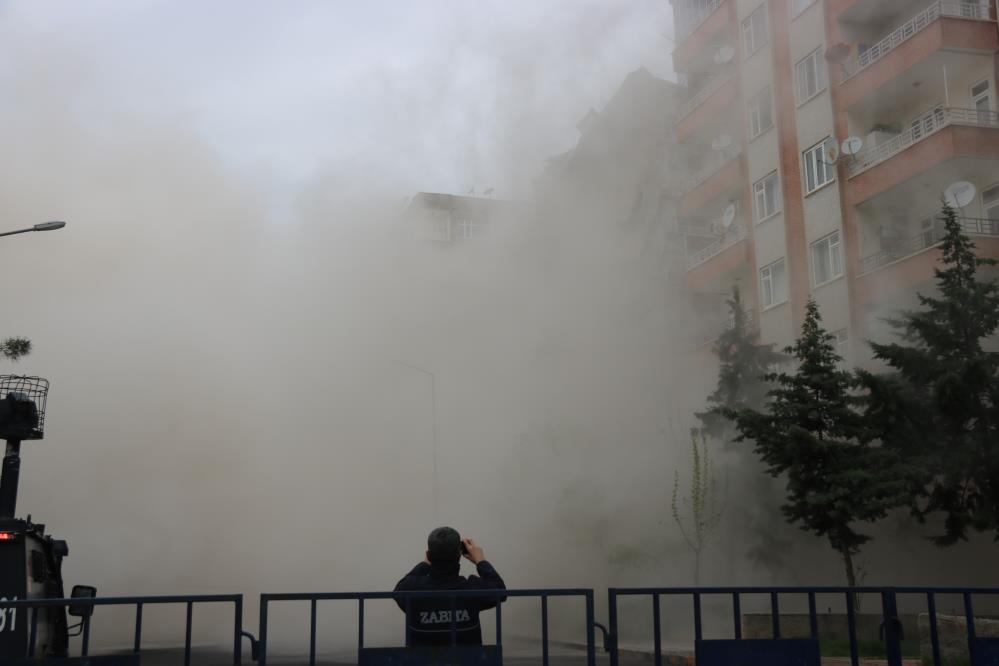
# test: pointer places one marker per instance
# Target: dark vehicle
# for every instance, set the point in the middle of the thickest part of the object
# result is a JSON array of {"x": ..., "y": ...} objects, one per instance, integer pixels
[{"x": 30, "y": 560}]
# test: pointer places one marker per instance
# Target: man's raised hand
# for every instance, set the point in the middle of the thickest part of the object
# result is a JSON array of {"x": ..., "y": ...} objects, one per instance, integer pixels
[{"x": 472, "y": 551}]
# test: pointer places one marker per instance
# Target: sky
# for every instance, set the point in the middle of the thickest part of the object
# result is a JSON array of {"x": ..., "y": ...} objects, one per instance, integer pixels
[{"x": 440, "y": 95}]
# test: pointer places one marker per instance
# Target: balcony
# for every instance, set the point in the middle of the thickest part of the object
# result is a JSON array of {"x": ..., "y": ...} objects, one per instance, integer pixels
[
  {"x": 715, "y": 107},
  {"x": 713, "y": 165},
  {"x": 692, "y": 21},
  {"x": 947, "y": 34},
  {"x": 701, "y": 31},
  {"x": 920, "y": 130},
  {"x": 897, "y": 250},
  {"x": 910, "y": 28},
  {"x": 728, "y": 238},
  {"x": 698, "y": 98}
]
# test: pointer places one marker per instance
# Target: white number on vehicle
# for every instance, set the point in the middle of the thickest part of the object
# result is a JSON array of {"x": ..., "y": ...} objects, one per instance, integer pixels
[{"x": 8, "y": 612}]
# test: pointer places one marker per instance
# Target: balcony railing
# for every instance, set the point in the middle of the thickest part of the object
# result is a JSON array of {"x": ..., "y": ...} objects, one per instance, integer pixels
[
  {"x": 701, "y": 95},
  {"x": 696, "y": 16},
  {"x": 699, "y": 229},
  {"x": 901, "y": 34},
  {"x": 929, "y": 123},
  {"x": 731, "y": 236},
  {"x": 716, "y": 163},
  {"x": 906, "y": 247}
]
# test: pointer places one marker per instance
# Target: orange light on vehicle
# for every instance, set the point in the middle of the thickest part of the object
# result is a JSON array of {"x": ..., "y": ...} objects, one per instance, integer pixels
[{"x": 8, "y": 536}]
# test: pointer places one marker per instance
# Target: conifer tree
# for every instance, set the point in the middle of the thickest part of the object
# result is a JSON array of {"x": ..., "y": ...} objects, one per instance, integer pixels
[
  {"x": 938, "y": 407},
  {"x": 742, "y": 366},
  {"x": 811, "y": 434},
  {"x": 14, "y": 348}
]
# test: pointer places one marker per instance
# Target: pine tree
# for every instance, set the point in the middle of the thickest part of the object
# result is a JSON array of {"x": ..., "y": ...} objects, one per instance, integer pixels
[
  {"x": 938, "y": 407},
  {"x": 742, "y": 366},
  {"x": 15, "y": 348},
  {"x": 811, "y": 434}
]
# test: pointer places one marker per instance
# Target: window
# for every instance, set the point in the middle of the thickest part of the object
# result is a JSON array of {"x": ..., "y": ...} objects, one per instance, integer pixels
[
  {"x": 819, "y": 170},
  {"x": 766, "y": 197},
  {"x": 928, "y": 231},
  {"x": 773, "y": 283},
  {"x": 798, "y": 6},
  {"x": 990, "y": 203},
  {"x": 761, "y": 112},
  {"x": 827, "y": 260},
  {"x": 469, "y": 228},
  {"x": 974, "y": 9},
  {"x": 981, "y": 102},
  {"x": 810, "y": 73},
  {"x": 754, "y": 31},
  {"x": 842, "y": 343}
]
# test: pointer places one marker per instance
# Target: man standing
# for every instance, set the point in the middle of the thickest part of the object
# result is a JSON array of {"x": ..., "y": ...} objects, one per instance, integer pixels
[{"x": 429, "y": 620}]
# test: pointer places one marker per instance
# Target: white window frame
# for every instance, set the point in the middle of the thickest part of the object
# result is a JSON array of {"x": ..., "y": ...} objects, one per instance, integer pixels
[
  {"x": 821, "y": 78},
  {"x": 834, "y": 257},
  {"x": 469, "y": 228},
  {"x": 843, "y": 343},
  {"x": 815, "y": 167},
  {"x": 799, "y": 6},
  {"x": 928, "y": 230},
  {"x": 994, "y": 190},
  {"x": 760, "y": 195},
  {"x": 987, "y": 93},
  {"x": 984, "y": 114},
  {"x": 753, "y": 109},
  {"x": 751, "y": 41},
  {"x": 770, "y": 289}
]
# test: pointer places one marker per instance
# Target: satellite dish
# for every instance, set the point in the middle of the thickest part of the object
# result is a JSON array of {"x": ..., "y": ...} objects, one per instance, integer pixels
[
  {"x": 830, "y": 153},
  {"x": 724, "y": 55},
  {"x": 729, "y": 216},
  {"x": 721, "y": 142},
  {"x": 960, "y": 194},
  {"x": 852, "y": 145}
]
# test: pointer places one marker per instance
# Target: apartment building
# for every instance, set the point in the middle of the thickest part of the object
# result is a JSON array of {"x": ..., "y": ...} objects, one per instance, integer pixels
[
  {"x": 616, "y": 172},
  {"x": 821, "y": 136},
  {"x": 449, "y": 218}
]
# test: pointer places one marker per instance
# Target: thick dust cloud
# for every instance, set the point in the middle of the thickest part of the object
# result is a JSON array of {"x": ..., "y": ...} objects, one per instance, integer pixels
[
  {"x": 240, "y": 368},
  {"x": 256, "y": 361}
]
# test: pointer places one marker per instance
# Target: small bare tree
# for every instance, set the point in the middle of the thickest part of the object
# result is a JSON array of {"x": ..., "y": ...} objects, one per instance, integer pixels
[{"x": 697, "y": 514}]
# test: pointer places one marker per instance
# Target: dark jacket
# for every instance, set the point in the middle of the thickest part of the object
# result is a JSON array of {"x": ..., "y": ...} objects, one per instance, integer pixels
[{"x": 429, "y": 620}]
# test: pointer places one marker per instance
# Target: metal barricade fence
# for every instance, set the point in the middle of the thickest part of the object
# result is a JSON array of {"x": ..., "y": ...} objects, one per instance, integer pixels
[
  {"x": 543, "y": 594},
  {"x": 776, "y": 648},
  {"x": 981, "y": 650},
  {"x": 139, "y": 602}
]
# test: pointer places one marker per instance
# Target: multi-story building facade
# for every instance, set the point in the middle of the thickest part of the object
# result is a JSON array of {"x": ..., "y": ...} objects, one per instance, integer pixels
[
  {"x": 449, "y": 218},
  {"x": 776, "y": 87}
]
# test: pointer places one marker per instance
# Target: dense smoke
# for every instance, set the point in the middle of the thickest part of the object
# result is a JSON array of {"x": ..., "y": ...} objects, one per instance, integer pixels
[{"x": 251, "y": 370}]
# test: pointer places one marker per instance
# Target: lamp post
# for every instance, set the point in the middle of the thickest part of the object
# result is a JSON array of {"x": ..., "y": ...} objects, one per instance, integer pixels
[
  {"x": 433, "y": 406},
  {"x": 41, "y": 226}
]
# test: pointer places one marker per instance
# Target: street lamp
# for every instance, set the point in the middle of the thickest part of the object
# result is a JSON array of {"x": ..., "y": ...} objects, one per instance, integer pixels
[
  {"x": 433, "y": 415},
  {"x": 41, "y": 226}
]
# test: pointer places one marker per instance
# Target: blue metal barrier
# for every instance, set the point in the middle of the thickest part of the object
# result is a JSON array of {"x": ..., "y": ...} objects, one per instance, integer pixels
[
  {"x": 34, "y": 604},
  {"x": 361, "y": 597},
  {"x": 779, "y": 651}
]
